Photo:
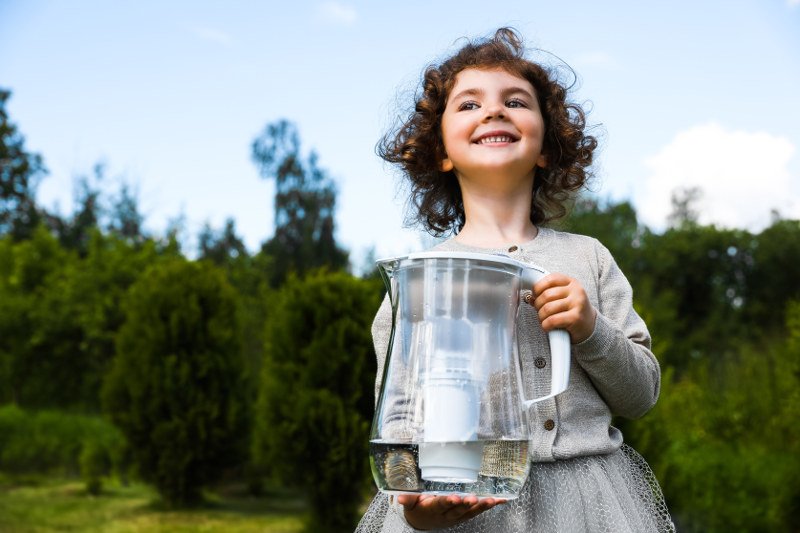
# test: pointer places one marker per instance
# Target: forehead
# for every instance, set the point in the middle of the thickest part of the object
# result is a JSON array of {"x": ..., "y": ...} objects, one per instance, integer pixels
[{"x": 492, "y": 78}]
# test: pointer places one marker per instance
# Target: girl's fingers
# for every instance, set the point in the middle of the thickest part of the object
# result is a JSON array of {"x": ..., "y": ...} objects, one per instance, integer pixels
[
  {"x": 480, "y": 507},
  {"x": 551, "y": 295},
  {"x": 470, "y": 507},
  {"x": 553, "y": 308},
  {"x": 550, "y": 281},
  {"x": 440, "y": 504},
  {"x": 450, "y": 508}
]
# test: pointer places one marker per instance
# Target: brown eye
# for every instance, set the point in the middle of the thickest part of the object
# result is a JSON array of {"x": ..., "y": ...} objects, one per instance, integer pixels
[{"x": 468, "y": 106}]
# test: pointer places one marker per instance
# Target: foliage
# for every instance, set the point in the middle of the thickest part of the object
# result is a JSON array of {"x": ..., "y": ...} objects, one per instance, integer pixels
[
  {"x": 59, "y": 314},
  {"x": 774, "y": 280},
  {"x": 305, "y": 199},
  {"x": 175, "y": 389},
  {"x": 723, "y": 438},
  {"x": 223, "y": 247},
  {"x": 19, "y": 174},
  {"x": 29, "y": 271},
  {"x": 732, "y": 464},
  {"x": 315, "y": 402},
  {"x": 250, "y": 276},
  {"x": 76, "y": 231},
  {"x": 53, "y": 442},
  {"x": 126, "y": 221},
  {"x": 693, "y": 281}
]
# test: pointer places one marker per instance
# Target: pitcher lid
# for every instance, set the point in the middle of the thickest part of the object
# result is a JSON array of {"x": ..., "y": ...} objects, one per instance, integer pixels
[{"x": 474, "y": 256}]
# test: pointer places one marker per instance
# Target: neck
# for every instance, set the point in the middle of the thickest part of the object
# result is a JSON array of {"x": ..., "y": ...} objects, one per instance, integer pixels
[{"x": 496, "y": 219}]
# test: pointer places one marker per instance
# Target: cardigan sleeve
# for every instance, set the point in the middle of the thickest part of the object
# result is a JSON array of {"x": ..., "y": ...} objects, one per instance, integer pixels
[
  {"x": 617, "y": 355},
  {"x": 397, "y": 410},
  {"x": 381, "y": 331}
]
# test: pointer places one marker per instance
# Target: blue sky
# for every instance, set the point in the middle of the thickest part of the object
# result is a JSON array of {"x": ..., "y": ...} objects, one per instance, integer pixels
[{"x": 171, "y": 94}]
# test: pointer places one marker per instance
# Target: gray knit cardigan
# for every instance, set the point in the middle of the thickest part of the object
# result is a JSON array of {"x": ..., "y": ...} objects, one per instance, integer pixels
[{"x": 613, "y": 372}]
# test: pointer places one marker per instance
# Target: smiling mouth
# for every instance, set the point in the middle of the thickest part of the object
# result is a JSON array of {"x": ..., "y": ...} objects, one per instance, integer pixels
[{"x": 495, "y": 139}]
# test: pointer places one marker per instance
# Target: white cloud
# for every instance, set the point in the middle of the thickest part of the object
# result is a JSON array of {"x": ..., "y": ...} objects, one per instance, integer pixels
[
  {"x": 742, "y": 176},
  {"x": 212, "y": 35},
  {"x": 337, "y": 13}
]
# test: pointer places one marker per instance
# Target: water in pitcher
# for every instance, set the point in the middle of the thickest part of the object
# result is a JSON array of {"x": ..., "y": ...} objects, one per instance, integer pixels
[{"x": 503, "y": 469}]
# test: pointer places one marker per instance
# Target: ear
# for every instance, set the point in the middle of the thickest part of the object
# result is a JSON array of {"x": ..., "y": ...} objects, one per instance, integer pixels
[
  {"x": 446, "y": 165},
  {"x": 542, "y": 161}
]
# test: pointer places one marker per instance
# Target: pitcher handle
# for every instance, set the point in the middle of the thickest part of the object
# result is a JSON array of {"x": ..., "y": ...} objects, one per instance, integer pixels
[{"x": 560, "y": 346}]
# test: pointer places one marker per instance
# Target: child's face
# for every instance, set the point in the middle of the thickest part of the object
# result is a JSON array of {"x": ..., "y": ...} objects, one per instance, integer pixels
[{"x": 492, "y": 126}]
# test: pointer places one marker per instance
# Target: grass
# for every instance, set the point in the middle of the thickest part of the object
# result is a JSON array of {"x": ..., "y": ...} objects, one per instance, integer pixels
[{"x": 45, "y": 505}]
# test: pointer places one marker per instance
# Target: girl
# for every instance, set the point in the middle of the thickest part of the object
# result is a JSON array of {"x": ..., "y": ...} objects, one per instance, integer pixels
[{"x": 492, "y": 151}]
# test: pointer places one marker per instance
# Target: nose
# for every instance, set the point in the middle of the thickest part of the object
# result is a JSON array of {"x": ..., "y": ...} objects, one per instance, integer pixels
[{"x": 494, "y": 111}]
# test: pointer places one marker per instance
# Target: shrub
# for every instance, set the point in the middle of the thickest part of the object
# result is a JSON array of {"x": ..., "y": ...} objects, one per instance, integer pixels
[
  {"x": 53, "y": 442},
  {"x": 176, "y": 386},
  {"x": 732, "y": 464},
  {"x": 315, "y": 400},
  {"x": 95, "y": 461}
]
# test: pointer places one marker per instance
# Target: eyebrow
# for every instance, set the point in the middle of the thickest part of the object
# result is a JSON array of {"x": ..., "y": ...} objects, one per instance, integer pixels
[{"x": 479, "y": 92}]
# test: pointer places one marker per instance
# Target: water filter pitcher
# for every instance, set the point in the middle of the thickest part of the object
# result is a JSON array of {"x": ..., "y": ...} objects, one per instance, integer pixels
[{"x": 451, "y": 415}]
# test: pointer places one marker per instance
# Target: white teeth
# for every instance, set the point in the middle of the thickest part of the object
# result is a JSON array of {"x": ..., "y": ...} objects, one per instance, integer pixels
[{"x": 495, "y": 139}]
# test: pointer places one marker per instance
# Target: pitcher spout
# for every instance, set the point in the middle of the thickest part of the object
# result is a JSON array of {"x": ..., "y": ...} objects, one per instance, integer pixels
[{"x": 387, "y": 268}]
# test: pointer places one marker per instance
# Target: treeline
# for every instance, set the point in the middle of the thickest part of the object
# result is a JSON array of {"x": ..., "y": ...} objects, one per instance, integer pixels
[
  {"x": 259, "y": 366},
  {"x": 123, "y": 354},
  {"x": 723, "y": 308}
]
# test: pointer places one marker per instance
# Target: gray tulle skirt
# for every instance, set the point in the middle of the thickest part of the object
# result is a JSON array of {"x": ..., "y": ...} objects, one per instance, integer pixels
[{"x": 615, "y": 493}]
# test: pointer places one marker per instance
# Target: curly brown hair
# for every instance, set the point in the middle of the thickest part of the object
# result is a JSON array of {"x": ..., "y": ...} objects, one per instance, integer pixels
[{"x": 416, "y": 143}]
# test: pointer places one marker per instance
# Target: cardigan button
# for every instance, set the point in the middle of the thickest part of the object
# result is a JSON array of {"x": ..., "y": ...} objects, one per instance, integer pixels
[
  {"x": 514, "y": 248},
  {"x": 540, "y": 362},
  {"x": 549, "y": 425}
]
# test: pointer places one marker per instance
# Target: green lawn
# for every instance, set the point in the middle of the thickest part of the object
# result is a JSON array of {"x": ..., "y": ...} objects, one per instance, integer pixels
[{"x": 63, "y": 505}]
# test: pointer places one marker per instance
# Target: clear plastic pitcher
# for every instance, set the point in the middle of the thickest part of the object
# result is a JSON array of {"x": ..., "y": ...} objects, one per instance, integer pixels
[{"x": 451, "y": 415}]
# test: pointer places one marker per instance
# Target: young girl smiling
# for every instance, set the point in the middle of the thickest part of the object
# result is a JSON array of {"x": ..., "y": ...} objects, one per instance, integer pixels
[{"x": 493, "y": 150}]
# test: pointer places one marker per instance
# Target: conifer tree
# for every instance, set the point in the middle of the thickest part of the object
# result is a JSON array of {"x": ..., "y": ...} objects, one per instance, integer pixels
[
  {"x": 175, "y": 389},
  {"x": 305, "y": 198},
  {"x": 19, "y": 174},
  {"x": 315, "y": 400}
]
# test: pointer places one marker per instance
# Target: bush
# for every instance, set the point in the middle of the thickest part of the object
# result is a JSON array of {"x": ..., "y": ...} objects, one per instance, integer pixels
[
  {"x": 315, "y": 400},
  {"x": 725, "y": 443},
  {"x": 95, "y": 461},
  {"x": 52, "y": 442},
  {"x": 176, "y": 386}
]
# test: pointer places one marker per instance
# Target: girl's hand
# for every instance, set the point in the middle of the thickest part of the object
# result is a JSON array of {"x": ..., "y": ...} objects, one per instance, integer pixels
[
  {"x": 562, "y": 304},
  {"x": 427, "y": 511}
]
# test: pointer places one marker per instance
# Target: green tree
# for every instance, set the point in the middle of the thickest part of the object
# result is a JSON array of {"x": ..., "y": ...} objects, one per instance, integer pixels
[
  {"x": 59, "y": 314},
  {"x": 315, "y": 403},
  {"x": 126, "y": 220},
  {"x": 250, "y": 276},
  {"x": 692, "y": 281},
  {"x": 175, "y": 389},
  {"x": 75, "y": 231},
  {"x": 96, "y": 290},
  {"x": 773, "y": 281},
  {"x": 305, "y": 199},
  {"x": 684, "y": 207},
  {"x": 20, "y": 171},
  {"x": 733, "y": 464},
  {"x": 223, "y": 247},
  {"x": 32, "y": 326}
]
